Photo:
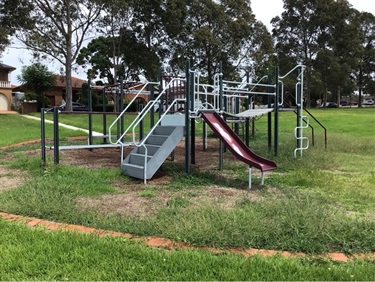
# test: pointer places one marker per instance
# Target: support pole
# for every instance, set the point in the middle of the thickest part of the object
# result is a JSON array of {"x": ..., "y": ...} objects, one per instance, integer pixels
[
  {"x": 56, "y": 158},
  {"x": 247, "y": 107},
  {"x": 250, "y": 172},
  {"x": 152, "y": 111},
  {"x": 89, "y": 95},
  {"x": 269, "y": 119},
  {"x": 121, "y": 106},
  {"x": 276, "y": 112},
  {"x": 221, "y": 146},
  {"x": 141, "y": 130},
  {"x": 204, "y": 125},
  {"x": 43, "y": 136},
  {"x": 299, "y": 114},
  {"x": 237, "y": 110},
  {"x": 192, "y": 121},
  {"x": 104, "y": 116},
  {"x": 187, "y": 123}
]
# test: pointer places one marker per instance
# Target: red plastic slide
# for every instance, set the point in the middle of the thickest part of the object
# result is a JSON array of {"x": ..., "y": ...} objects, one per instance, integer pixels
[{"x": 234, "y": 143}]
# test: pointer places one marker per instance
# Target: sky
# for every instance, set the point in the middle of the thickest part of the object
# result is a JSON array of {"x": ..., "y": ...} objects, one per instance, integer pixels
[{"x": 264, "y": 11}]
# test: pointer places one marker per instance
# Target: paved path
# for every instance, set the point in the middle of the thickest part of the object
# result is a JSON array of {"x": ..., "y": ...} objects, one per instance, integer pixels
[{"x": 94, "y": 133}]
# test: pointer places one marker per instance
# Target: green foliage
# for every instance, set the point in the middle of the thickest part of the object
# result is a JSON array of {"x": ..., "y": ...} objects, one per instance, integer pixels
[
  {"x": 333, "y": 40},
  {"x": 58, "y": 31},
  {"x": 38, "y": 79},
  {"x": 13, "y": 14}
]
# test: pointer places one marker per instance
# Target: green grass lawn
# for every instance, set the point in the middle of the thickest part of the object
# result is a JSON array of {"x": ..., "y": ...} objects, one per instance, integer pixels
[
  {"x": 36, "y": 254},
  {"x": 320, "y": 203}
]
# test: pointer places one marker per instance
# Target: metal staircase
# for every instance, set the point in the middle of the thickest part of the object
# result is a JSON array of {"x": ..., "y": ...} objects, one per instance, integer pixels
[{"x": 145, "y": 159}]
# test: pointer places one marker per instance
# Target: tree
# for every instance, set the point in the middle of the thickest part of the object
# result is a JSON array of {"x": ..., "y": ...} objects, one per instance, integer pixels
[
  {"x": 212, "y": 32},
  {"x": 38, "y": 79},
  {"x": 133, "y": 58},
  {"x": 297, "y": 33},
  {"x": 12, "y": 13},
  {"x": 59, "y": 30},
  {"x": 130, "y": 43},
  {"x": 116, "y": 17},
  {"x": 258, "y": 55},
  {"x": 363, "y": 72},
  {"x": 344, "y": 42},
  {"x": 310, "y": 31}
]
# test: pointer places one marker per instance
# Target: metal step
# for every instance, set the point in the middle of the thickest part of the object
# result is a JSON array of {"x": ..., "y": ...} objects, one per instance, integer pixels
[
  {"x": 156, "y": 139},
  {"x": 163, "y": 130},
  {"x": 133, "y": 170},
  {"x": 151, "y": 149},
  {"x": 159, "y": 147},
  {"x": 138, "y": 159}
]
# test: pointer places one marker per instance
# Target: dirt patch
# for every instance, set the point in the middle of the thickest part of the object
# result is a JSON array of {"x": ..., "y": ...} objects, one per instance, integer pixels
[
  {"x": 10, "y": 178},
  {"x": 144, "y": 201}
]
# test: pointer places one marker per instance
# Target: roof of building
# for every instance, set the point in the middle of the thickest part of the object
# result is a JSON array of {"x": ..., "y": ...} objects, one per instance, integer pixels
[
  {"x": 61, "y": 82},
  {"x": 6, "y": 67}
]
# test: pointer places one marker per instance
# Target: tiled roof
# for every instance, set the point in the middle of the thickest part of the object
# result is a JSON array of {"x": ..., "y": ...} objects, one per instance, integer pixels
[
  {"x": 4, "y": 66},
  {"x": 61, "y": 82}
]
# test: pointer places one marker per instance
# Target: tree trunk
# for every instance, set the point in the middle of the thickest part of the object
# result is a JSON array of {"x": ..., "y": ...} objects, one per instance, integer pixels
[
  {"x": 68, "y": 80},
  {"x": 360, "y": 86},
  {"x": 308, "y": 83},
  {"x": 338, "y": 95},
  {"x": 68, "y": 63}
]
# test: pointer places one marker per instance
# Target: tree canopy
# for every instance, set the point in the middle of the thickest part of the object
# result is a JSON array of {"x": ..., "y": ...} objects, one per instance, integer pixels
[
  {"x": 327, "y": 37},
  {"x": 38, "y": 79},
  {"x": 334, "y": 41},
  {"x": 56, "y": 29}
]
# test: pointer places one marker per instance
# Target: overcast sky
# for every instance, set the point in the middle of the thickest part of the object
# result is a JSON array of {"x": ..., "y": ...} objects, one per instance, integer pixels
[{"x": 264, "y": 11}]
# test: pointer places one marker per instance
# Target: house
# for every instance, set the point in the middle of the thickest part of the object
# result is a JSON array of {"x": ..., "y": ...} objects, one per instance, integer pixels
[
  {"x": 5, "y": 87},
  {"x": 57, "y": 94}
]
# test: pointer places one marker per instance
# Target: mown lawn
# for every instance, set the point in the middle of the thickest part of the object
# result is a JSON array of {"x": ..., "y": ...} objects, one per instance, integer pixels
[{"x": 36, "y": 254}]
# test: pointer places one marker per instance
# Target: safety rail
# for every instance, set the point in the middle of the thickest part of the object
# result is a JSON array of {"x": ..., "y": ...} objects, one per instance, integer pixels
[
  {"x": 321, "y": 125},
  {"x": 142, "y": 143}
]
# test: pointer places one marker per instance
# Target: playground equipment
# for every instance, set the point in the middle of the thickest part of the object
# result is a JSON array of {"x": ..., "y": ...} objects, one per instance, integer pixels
[
  {"x": 214, "y": 104},
  {"x": 236, "y": 146}
]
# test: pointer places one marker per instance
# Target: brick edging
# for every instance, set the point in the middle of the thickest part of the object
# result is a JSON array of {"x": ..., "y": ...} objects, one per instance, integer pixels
[{"x": 170, "y": 244}]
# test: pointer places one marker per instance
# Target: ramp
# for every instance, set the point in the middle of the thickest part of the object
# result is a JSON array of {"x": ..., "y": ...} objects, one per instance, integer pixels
[{"x": 236, "y": 145}]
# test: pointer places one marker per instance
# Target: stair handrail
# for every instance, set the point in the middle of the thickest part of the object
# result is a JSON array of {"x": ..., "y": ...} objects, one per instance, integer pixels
[
  {"x": 156, "y": 123},
  {"x": 147, "y": 107},
  {"x": 124, "y": 111},
  {"x": 142, "y": 142},
  {"x": 145, "y": 111}
]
